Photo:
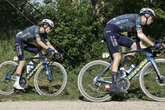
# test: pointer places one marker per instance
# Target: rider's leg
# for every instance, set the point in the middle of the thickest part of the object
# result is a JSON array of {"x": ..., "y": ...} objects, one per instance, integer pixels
[
  {"x": 114, "y": 49},
  {"x": 20, "y": 53},
  {"x": 115, "y": 86},
  {"x": 18, "y": 74},
  {"x": 33, "y": 49},
  {"x": 129, "y": 56},
  {"x": 142, "y": 45},
  {"x": 133, "y": 47},
  {"x": 127, "y": 42},
  {"x": 116, "y": 61},
  {"x": 34, "y": 61},
  {"x": 37, "y": 55}
]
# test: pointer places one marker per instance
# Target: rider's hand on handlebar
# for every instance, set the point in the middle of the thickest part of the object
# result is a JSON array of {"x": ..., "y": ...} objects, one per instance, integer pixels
[
  {"x": 60, "y": 55},
  {"x": 157, "y": 45},
  {"x": 51, "y": 51}
]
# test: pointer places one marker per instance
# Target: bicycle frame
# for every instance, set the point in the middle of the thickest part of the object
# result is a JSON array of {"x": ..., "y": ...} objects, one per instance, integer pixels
[
  {"x": 149, "y": 58},
  {"x": 44, "y": 62}
]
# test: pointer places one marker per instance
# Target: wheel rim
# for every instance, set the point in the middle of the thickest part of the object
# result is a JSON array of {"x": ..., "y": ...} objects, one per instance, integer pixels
[
  {"x": 51, "y": 87},
  {"x": 149, "y": 82}
]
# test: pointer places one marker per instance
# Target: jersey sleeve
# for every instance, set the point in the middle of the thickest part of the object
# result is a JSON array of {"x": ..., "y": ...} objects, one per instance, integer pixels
[{"x": 138, "y": 23}]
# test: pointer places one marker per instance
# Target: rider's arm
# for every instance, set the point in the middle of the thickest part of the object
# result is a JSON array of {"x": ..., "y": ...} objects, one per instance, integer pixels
[
  {"x": 48, "y": 43},
  {"x": 142, "y": 36},
  {"x": 39, "y": 42},
  {"x": 38, "y": 39},
  {"x": 50, "y": 46}
]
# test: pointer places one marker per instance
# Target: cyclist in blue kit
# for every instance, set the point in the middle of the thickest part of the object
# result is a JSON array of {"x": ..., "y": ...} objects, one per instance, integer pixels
[
  {"x": 23, "y": 39},
  {"x": 125, "y": 23}
]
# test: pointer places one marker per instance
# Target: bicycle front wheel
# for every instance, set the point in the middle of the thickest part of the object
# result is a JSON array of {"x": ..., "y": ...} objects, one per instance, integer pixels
[
  {"x": 7, "y": 70},
  {"x": 149, "y": 82},
  {"x": 87, "y": 84},
  {"x": 53, "y": 86}
]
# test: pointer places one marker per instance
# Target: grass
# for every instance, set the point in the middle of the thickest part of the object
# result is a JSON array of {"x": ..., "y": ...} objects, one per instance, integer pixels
[{"x": 7, "y": 49}]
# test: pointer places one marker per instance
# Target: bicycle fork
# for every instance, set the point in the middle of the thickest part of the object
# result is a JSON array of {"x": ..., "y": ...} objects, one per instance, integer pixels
[
  {"x": 48, "y": 73},
  {"x": 47, "y": 69},
  {"x": 156, "y": 69}
]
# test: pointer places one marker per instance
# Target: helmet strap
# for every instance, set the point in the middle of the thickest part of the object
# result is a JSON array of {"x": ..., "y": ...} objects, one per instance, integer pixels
[
  {"x": 44, "y": 28},
  {"x": 147, "y": 17}
]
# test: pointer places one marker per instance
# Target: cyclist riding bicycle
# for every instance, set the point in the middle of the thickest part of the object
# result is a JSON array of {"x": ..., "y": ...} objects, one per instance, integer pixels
[
  {"x": 23, "y": 41},
  {"x": 126, "y": 23}
]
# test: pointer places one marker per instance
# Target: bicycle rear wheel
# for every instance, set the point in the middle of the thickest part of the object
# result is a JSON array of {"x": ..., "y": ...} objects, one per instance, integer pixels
[
  {"x": 87, "y": 84},
  {"x": 149, "y": 82},
  {"x": 7, "y": 70},
  {"x": 54, "y": 86}
]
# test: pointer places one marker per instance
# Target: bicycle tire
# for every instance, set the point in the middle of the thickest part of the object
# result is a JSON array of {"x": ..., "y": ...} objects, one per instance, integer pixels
[
  {"x": 148, "y": 81},
  {"x": 41, "y": 82},
  {"x": 7, "y": 69},
  {"x": 82, "y": 80}
]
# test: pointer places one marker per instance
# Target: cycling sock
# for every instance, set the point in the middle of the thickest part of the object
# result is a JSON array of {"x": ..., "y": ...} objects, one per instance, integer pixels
[
  {"x": 114, "y": 77},
  {"x": 114, "y": 72},
  {"x": 17, "y": 78}
]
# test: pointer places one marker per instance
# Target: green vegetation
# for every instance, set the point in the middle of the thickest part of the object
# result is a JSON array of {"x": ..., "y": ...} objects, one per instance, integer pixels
[{"x": 78, "y": 30}]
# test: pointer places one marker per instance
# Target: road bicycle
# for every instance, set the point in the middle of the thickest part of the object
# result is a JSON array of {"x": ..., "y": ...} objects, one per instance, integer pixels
[
  {"x": 50, "y": 77},
  {"x": 151, "y": 71}
]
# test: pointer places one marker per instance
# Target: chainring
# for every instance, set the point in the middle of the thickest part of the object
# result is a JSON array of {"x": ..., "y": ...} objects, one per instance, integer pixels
[
  {"x": 23, "y": 81},
  {"x": 124, "y": 83}
]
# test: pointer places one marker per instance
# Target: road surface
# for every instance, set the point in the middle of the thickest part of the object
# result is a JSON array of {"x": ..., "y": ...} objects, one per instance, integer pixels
[{"x": 82, "y": 105}]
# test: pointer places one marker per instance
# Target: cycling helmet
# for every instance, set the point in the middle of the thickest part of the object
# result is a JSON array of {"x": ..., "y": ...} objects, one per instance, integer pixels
[
  {"x": 147, "y": 11},
  {"x": 48, "y": 22}
]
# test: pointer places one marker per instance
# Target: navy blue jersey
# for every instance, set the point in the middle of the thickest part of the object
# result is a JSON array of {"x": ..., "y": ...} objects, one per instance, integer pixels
[
  {"x": 127, "y": 22},
  {"x": 31, "y": 33}
]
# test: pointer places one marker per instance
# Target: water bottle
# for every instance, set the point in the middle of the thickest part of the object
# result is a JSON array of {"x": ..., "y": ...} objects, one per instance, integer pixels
[
  {"x": 29, "y": 67},
  {"x": 130, "y": 68}
]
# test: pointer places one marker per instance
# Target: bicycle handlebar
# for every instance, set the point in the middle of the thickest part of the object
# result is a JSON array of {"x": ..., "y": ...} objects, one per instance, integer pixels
[
  {"x": 148, "y": 49},
  {"x": 43, "y": 56}
]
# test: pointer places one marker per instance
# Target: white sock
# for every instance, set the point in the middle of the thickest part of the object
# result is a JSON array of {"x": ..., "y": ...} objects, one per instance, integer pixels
[{"x": 17, "y": 79}]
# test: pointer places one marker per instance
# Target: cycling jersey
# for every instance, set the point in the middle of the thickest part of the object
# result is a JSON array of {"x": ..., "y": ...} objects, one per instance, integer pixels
[
  {"x": 31, "y": 33},
  {"x": 127, "y": 22}
]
